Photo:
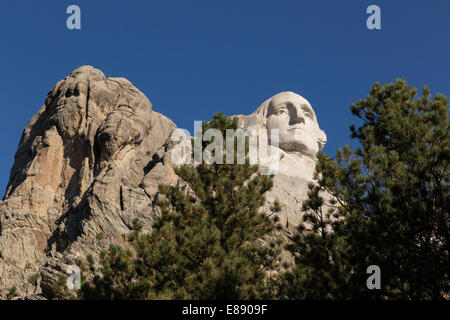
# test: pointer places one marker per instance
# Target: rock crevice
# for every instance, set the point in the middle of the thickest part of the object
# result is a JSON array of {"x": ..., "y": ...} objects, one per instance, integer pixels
[
  {"x": 78, "y": 172},
  {"x": 90, "y": 161}
]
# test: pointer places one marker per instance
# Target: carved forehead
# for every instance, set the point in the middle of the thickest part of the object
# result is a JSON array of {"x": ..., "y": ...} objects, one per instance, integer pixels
[
  {"x": 262, "y": 112},
  {"x": 288, "y": 97}
]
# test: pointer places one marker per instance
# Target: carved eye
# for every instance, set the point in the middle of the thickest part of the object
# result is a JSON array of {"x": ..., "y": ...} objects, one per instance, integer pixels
[
  {"x": 282, "y": 111},
  {"x": 306, "y": 112}
]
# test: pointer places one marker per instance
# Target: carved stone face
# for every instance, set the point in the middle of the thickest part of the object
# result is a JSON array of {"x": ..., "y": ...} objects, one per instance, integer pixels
[{"x": 297, "y": 123}]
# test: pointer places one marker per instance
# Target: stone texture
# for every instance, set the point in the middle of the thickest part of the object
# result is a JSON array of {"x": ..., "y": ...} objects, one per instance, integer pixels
[
  {"x": 87, "y": 164},
  {"x": 90, "y": 161},
  {"x": 293, "y": 161}
]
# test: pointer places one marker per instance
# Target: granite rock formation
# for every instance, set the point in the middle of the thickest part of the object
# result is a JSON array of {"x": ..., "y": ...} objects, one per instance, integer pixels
[
  {"x": 299, "y": 140},
  {"x": 90, "y": 161}
]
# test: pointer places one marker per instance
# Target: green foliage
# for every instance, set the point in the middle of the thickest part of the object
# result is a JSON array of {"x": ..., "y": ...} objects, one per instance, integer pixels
[
  {"x": 390, "y": 207},
  {"x": 33, "y": 279},
  {"x": 100, "y": 236},
  {"x": 211, "y": 242},
  {"x": 11, "y": 293}
]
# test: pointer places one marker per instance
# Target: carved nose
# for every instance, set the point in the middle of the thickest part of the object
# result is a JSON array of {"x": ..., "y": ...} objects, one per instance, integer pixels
[{"x": 297, "y": 115}]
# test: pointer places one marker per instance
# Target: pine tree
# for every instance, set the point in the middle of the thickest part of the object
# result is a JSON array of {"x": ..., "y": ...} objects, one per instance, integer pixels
[
  {"x": 390, "y": 207},
  {"x": 214, "y": 243}
]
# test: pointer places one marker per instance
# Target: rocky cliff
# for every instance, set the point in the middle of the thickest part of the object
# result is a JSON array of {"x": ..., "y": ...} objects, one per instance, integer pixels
[{"x": 88, "y": 163}]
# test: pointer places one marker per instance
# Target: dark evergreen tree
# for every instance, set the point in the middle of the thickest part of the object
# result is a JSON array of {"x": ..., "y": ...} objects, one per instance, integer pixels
[
  {"x": 390, "y": 208},
  {"x": 211, "y": 243}
]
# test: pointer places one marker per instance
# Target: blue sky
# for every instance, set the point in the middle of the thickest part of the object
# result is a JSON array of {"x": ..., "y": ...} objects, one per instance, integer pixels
[{"x": 194, "y": 58}]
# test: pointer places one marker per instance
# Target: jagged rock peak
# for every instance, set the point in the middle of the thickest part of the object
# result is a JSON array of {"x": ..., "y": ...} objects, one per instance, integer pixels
[{"x": 87, "y": 164}]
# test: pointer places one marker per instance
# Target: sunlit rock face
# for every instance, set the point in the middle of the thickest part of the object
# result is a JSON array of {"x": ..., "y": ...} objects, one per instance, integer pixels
[
  {"x": 87, "y": 164},
  {"x": 293, "y": 160},
  {"x": 91, "y": 159}
]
